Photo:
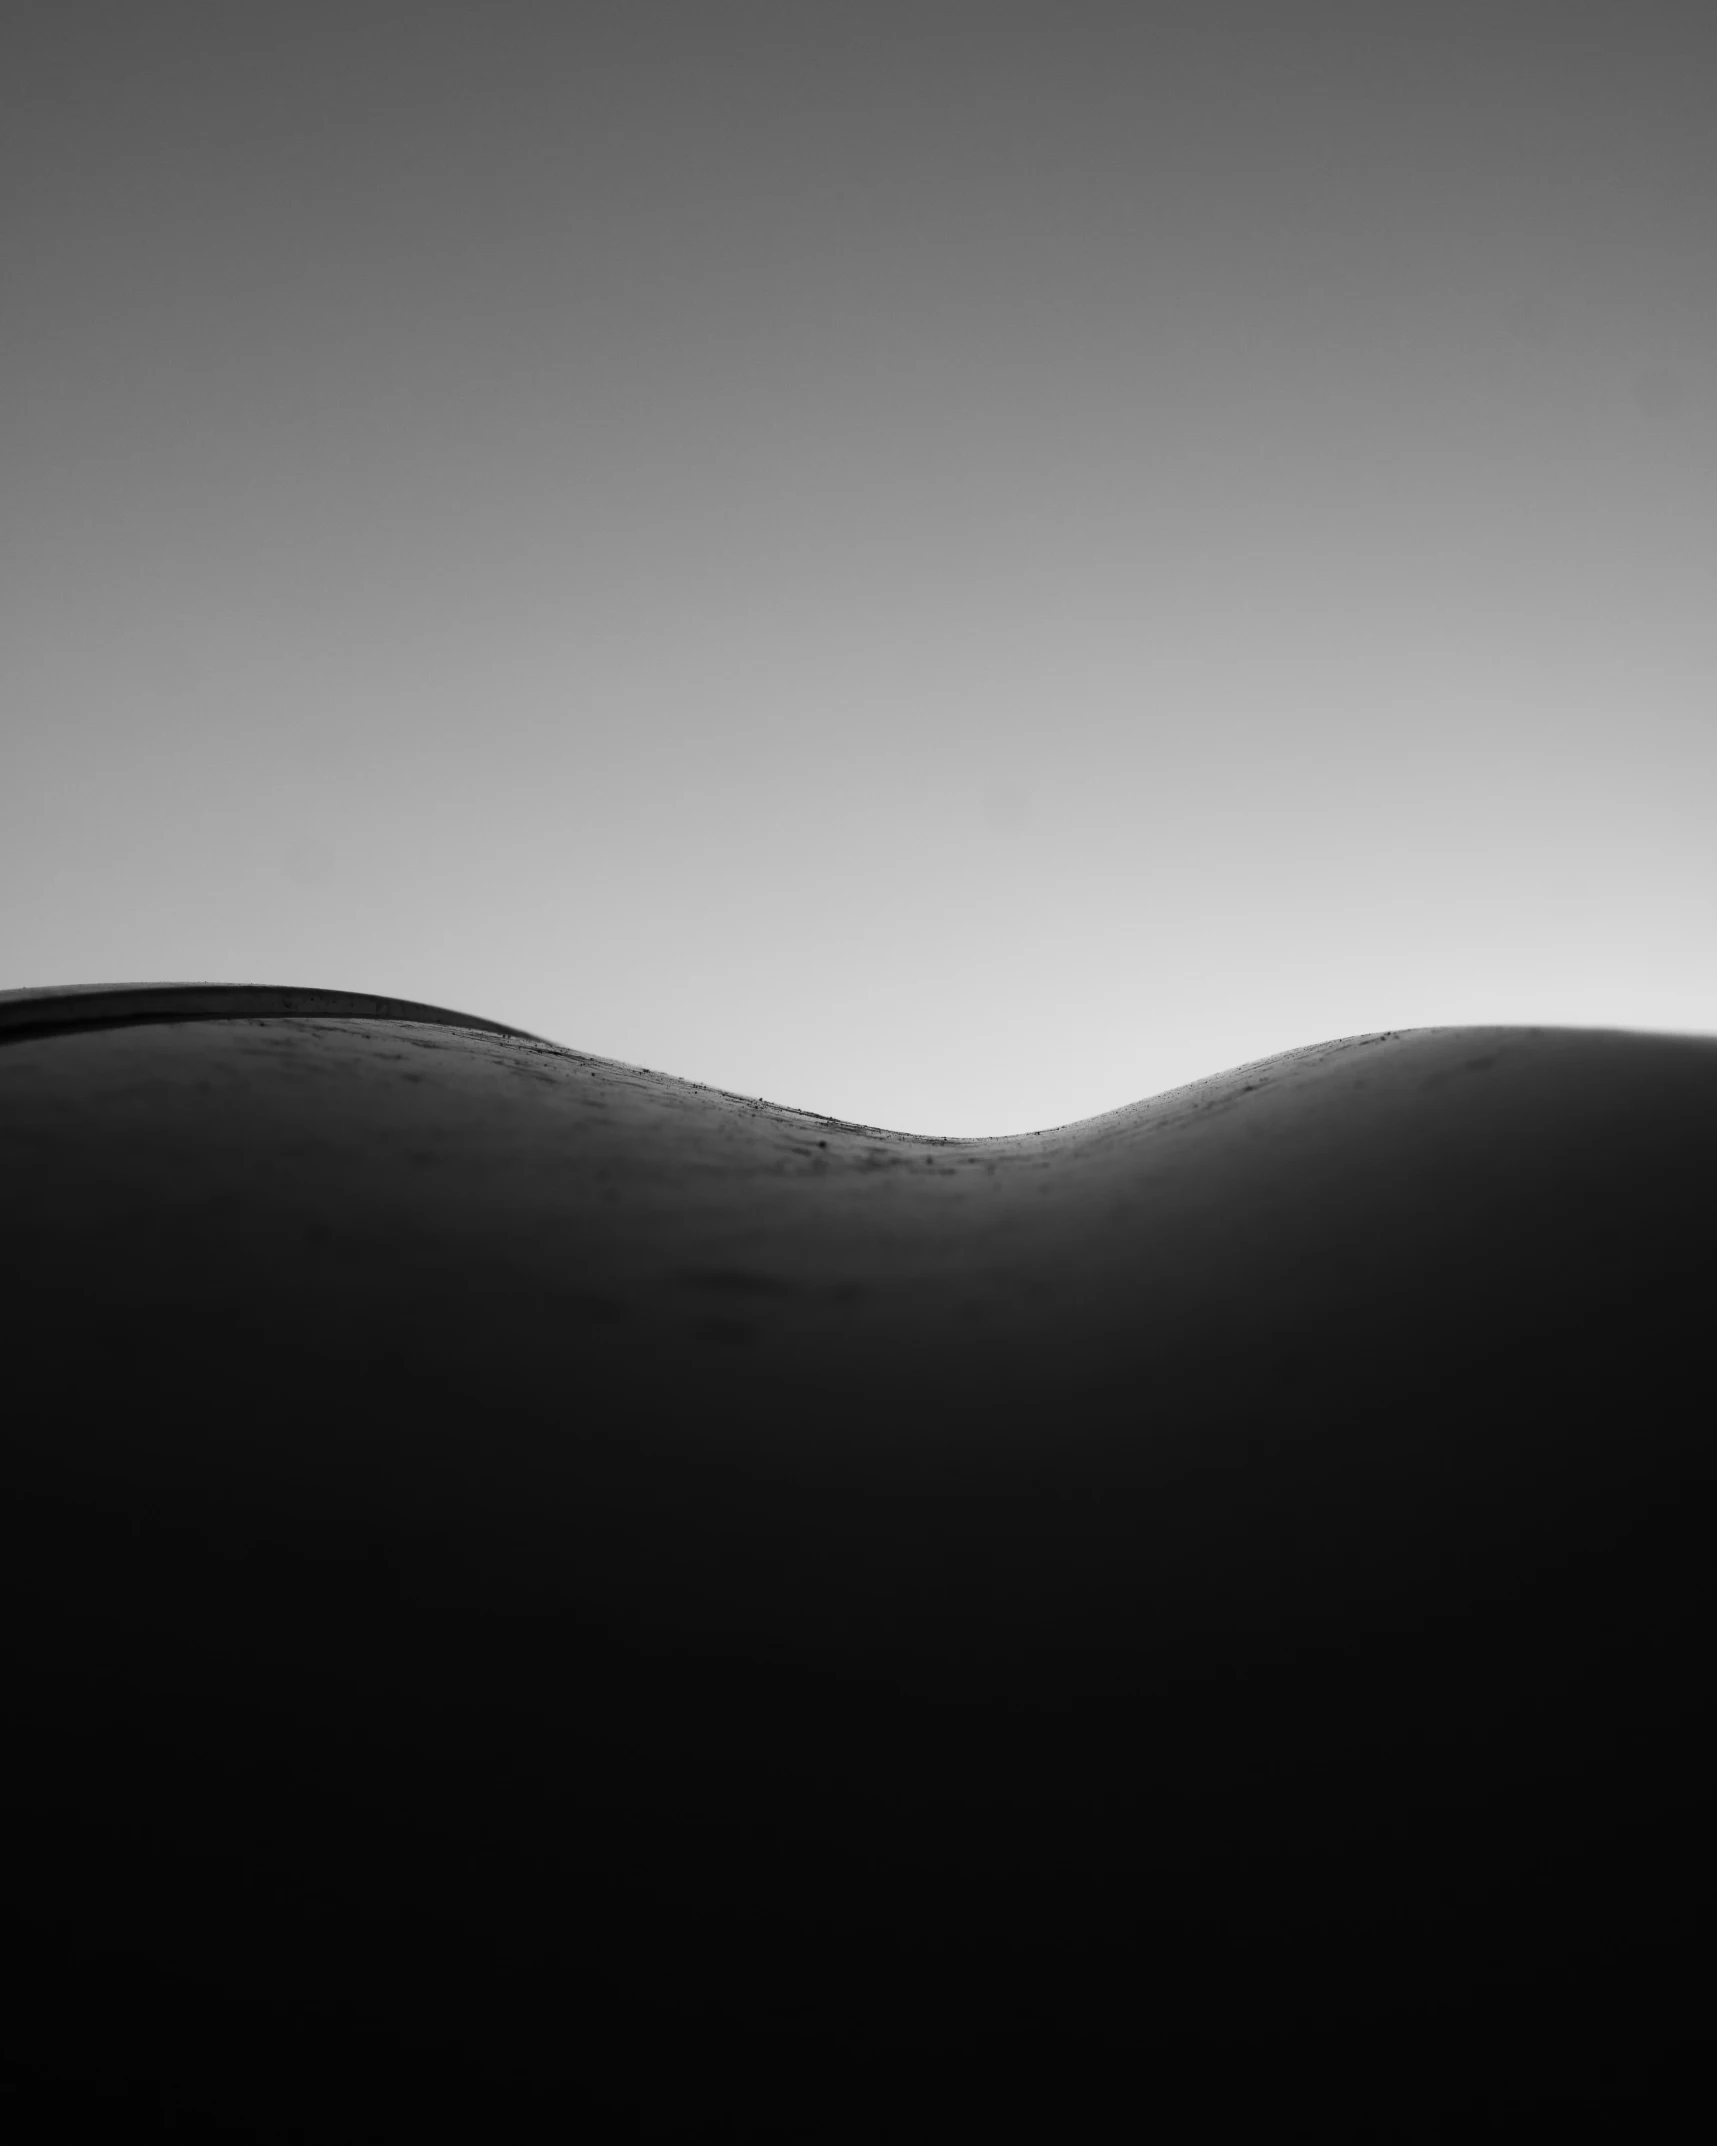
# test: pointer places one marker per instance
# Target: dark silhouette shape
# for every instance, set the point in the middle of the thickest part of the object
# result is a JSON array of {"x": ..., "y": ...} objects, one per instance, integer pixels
[{"x": 534, "y": 1585}]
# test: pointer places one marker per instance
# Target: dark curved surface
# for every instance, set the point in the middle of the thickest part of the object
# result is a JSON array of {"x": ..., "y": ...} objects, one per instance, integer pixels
[
  {"x": 60, "y": 1010},
  {"x": 538, "y": 1584}
]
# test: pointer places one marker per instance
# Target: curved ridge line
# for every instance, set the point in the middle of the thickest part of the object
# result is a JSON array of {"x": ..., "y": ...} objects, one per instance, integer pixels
[{"x": 57, "y": 1009}]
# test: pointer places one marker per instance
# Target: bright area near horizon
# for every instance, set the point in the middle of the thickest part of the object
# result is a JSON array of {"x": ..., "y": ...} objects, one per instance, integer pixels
[{"x": 955, "y": 571}]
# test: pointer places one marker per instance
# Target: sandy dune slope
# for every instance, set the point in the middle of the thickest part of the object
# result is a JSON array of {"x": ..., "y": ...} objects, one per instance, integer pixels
[{"x": 536, "y": 1583}]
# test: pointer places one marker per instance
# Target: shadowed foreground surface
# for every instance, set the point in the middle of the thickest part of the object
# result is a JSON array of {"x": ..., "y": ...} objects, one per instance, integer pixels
[{"x": 540, "y": 1591}]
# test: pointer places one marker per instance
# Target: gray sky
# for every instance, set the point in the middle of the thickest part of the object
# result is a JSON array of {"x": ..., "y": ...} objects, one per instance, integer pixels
[{"x": 957, "y": 567}]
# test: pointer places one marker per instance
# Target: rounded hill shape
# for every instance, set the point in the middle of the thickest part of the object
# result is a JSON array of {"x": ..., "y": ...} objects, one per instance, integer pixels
[{"x": 518, "y": 1563}]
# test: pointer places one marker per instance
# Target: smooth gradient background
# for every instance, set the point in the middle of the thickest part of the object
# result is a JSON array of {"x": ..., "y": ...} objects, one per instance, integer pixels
[{"x": 950, "y": 565}]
